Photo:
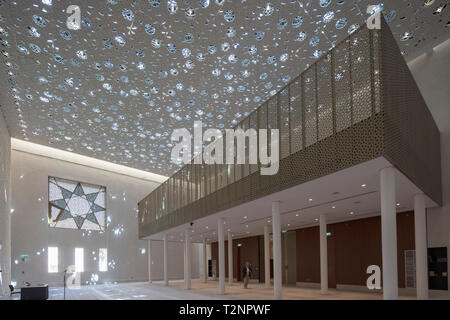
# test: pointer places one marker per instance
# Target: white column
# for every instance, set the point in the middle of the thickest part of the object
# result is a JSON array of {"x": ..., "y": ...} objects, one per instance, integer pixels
[
  {"x": 267, "y": 255},
  {"x": 187, "y": 260},
  {"x": 230, "y": 258},
  {"x": 420, "y": 226},
  {"x": 323, "y": 255},
  {"x": 220, "y": 234},
  {"x": 389, "y": 233},
  {"x": 5, "y": 251},
  {"x": 166, "y": 266},
  {"x": 277, "y": 280},
  {"x": 5, "y": 230},
  {"x": 150, "y": 261},
  {"x": 205, "y": 262}
]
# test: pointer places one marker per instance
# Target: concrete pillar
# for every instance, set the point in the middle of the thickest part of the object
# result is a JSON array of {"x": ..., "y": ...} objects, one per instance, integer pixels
[
  {"x": 389, "y": 233},
  {"x": 149, "y": 261},
  {"x": 187, "y": 254},
  {"x": 230, "y": 258},
  {"x": 205, "y": 262},
  {"x": 166, "y": 266},
  {"x": 221, "y": 236},
  {"x": 420, "y": 226},
  {"x": 323, "y": 255},
  {"x": 267, "y": 256},
  {"x": 277, "y": 274},
  {"x": 5, "y": 225}
]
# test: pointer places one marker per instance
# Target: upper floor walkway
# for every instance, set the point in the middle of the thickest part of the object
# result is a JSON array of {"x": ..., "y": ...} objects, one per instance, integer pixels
[{"x": 356, "y": 103}]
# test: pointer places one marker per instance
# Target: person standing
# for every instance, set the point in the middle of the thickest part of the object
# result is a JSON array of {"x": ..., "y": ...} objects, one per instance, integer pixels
[{"x": 246, "y": 273}]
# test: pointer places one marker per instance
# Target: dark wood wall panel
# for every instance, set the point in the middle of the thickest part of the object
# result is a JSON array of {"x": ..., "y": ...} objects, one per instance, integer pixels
[
  {"x": 249, "y": 251},
  {"x": 352, "y": 247},
  {"x": 356, "y": 245},
  {"x": 308, "y": 255}
]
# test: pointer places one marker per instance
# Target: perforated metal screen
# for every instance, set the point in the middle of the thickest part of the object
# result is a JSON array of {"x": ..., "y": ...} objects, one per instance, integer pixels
[{"x": 347, "y": 108}]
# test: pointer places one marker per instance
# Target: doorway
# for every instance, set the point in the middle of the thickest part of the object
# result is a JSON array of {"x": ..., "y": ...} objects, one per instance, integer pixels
[{"x": 437, "y": 269}]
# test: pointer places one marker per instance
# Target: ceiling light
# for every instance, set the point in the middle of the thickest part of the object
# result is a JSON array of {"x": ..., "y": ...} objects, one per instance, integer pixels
[
  {"x": 428, "y": 3},
  {"x": 351, "y": 213},
  {"x": 316, "y": 219},
  {"x": 439, "y": 9},
  {"x": 333, "y": 207},
  {"x": 309, "y": 199},
  {"x": 398, "y": 204},
  {"x": 297, "y": 215},
  {"x": 363, "y": 185},
  {"x": 245, "y": 217}
]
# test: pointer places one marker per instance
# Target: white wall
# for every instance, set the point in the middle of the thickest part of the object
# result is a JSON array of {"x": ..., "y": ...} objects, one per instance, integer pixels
[
  {"x": 31, "y": 234},
  {"x": 175, "y": 260},
  {"x": 431, "y": 72},
  {"x": 5, "y": 250}
]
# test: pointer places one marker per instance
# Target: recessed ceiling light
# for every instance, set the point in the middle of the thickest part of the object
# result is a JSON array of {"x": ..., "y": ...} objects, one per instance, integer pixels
[
  {"x": 363, "y": 185},
  {"x": 268, "y": 221},
  {"x": 309, "y": 199},
  {"x": 351, "y": 213},
  {"x": 206, "y": 227},
  {"x": 245, "y": 217},
  {"x": 333, "y": 207},
  {"x": 297, "y": 215},
  {"x": 398, "y": 204},
  {"x": 440, "y": 9},
  {"x": 316, "y": 219}
]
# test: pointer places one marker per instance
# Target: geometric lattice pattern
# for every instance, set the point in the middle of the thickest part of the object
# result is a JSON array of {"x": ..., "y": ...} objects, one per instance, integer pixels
[
  {"x": 174, "y": 61},
  {"x": 350, "y": 106},
  {"x": 76, "y": 205}
]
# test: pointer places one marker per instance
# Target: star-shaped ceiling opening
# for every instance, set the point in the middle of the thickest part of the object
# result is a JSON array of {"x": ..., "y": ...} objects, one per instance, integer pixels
[{"x": 117, "y": 87}]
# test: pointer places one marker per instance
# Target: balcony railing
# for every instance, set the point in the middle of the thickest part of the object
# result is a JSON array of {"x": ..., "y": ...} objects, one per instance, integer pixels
[{"x": 329, "y": 118}]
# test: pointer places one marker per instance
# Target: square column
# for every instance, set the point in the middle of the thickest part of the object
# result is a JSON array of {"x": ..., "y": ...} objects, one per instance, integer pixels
[
  {"x": 420, "y": 227},
  {"x": 230, "y": 258},
  {"x": 221, "y": 236},
  {"x": 267, "y": 256},
  {"x": 276, "y": 225},
  {"x": 166, "y": 266},
  {"x": 149, "y": 261},
  {"x": 205, "y": 262},
  {"x": 323, "y": 255},
  {"x": 187, "y": 260},
  {"x": 389, "y": 233}
]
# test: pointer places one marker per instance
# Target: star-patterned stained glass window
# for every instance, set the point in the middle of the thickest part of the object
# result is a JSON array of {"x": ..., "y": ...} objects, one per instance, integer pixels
[{"x": 76, "y": 205}]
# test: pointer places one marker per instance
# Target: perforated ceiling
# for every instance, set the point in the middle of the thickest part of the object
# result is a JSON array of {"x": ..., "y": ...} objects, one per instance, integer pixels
[{"x": 135, "y": 70}]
